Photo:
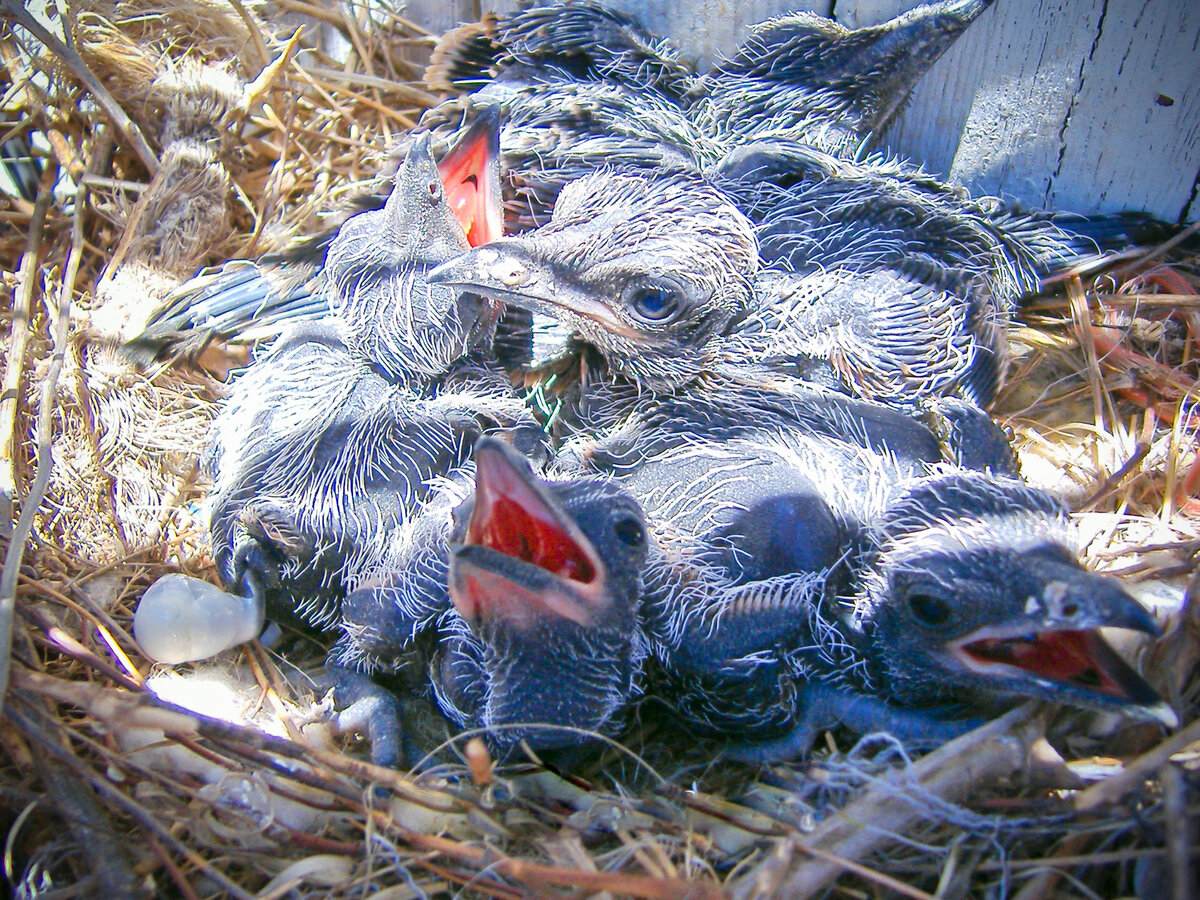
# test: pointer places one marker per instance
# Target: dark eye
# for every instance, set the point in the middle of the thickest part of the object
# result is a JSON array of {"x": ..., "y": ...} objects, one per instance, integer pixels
[
  {"x": 654, "y": 303},
  {"x": 630, "y": 532},
  {"x": 930, "y": 610}
]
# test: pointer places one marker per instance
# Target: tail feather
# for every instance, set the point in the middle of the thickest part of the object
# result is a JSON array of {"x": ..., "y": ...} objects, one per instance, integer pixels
[{"x": 240, "y": 300}]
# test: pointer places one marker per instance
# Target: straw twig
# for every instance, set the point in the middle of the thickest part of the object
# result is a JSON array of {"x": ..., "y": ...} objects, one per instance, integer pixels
[
  {"x": 950, "y": 773},
  {"x": 19, "y": 327},
  {"x": 69, "y": 55},
  {"x": 45, "y": 438},
  {"x": 1135, "y": 774}
]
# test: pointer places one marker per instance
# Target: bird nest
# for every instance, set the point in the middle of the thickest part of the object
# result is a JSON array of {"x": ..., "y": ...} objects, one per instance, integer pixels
[{"x": 111, "y": 790}]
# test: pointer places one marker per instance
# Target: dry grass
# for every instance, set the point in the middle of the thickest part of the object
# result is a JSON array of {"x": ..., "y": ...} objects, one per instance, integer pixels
[{"x": 1101, "y": 405}]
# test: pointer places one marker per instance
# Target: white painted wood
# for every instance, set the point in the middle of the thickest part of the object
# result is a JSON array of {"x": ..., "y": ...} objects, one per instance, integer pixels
[
  {"x": 990, "y": 112},
  {"x": 1123, "y": 147},
  {"x": 1054, "y": 103}
]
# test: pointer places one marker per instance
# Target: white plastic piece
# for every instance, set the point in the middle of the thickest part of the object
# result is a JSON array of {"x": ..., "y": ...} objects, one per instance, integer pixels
[{"x": 183, "y": 619}]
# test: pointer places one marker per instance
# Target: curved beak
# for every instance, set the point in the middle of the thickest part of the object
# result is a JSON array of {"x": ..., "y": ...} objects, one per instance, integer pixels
[
  {"x": 517, "y": 271},
  {"x": 1058, "y": 645}
]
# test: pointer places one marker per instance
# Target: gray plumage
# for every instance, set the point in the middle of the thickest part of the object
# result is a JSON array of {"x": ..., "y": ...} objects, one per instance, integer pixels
[
  {"x": 652, "y": 271},
  {"x": 334, "y": 435},
  {"x": 806, "y": 78},
  {"x": 797, "y": 581},
  {"x": 514, "y": 599},
  {"x": 663, "y": 276}
]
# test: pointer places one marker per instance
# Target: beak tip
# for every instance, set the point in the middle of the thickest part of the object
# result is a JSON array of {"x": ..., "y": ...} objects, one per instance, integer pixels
[
  {"x": 1143, "y": 620},
  {"x": 445, "y": 273},
  {"x": 420, "y": 149}
]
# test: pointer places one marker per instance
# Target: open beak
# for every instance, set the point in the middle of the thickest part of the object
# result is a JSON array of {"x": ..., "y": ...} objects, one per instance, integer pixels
[
  {"x": 470, "y": 174},
  {"x": 523, "y": 559},
  {"x": 1071, "y": 658}
]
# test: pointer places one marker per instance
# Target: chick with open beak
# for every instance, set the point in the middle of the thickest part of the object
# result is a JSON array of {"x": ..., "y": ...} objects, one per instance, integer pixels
[{"x": 517, "y": 597}]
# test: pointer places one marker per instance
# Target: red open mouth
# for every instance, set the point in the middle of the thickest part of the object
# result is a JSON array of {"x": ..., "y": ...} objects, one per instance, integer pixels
[
  {"x": 1076, "y": 659},
  {"x": 471, "y": 187},
  {"x": 1080, "y": 658},
  {"x": 514, "y": 521},
  {"x": 515, "y": 516}
]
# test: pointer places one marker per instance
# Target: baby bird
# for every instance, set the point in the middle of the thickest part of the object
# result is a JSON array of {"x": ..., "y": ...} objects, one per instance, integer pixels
[
  {"x": 809, "y": 79},
  {"x": 332, "y": 437},
  {"x": 514, "y": 600},
  {"x": 652, "y": 271},
  {"x": 797, "y": 581},
  {"x": 257, "y": 299},
  {"x": 578, "y": 86},
  {"x": 558, "y": 106},
  {"x": 663, "y": 276},
  {"x": 580, "y": 41}
]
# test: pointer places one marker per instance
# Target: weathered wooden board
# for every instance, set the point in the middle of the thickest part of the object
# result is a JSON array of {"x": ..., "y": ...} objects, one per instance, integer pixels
[
  {"x": 1060, "y": 103},
  {"x": 1090, "y": 105}
]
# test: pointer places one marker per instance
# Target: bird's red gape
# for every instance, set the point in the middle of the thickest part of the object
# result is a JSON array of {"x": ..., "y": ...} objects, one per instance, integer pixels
[
  {"x": 530, "y": 533},
  {"x": 469, "y": 188},
  {"x": 1075, "y": 657},
  {"x": 511, "y": 518}
]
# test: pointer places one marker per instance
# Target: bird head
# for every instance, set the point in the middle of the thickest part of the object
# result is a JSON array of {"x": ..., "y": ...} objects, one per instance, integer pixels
[
  {"x": 829, "y": 85},
  {"x": 974, "y": 592},
  {"x": 376, "y": 267},
  {"x": 548, "y": 577},
  {"x": 649, "y": 270}
]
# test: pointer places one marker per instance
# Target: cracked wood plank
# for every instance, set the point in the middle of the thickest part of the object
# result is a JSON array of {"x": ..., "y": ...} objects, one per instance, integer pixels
[
  {"x": 1056, "y": 103},
  {"x": 1133, "y": 139}
]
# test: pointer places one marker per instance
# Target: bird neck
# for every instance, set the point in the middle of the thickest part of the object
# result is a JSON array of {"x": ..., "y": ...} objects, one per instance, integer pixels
[{"x": 559, "y": 676}]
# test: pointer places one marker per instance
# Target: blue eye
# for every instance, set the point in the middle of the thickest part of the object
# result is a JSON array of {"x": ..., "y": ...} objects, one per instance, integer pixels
[{"x": 653, "y": 303}]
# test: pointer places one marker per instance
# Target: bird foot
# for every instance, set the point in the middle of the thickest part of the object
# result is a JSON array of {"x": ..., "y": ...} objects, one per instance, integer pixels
[
  {"x": 826, "y": 707},
  {"x": 367, "y": 708}
]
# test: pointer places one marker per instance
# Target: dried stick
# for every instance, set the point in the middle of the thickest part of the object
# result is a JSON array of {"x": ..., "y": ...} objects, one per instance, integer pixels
[
  {"x": 543, "y": 875},
  {"x": 45, "y": 438},
  {"x": 949, "y": 773},
  {"x": 128, "y": 128},
  {"x": 93, "y": 831},
  {"x": 1113, "y": 790},
  {"x": 22, "y": 315},
  {"x": 1179, "y": 838},
  {"x": 113, "y": 795},
  {"x": 118, "y": 709}
]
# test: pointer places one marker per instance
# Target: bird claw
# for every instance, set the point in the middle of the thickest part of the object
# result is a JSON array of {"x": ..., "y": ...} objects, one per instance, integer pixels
[
  {"x": 791, "y": 745},
  {"x": 269, "y": 523},
  {"x": 270, "y": 538},
  {"x": 918, "y": 729},
  {"x": 826, "y": 707},
  {"x": 364, "y": 707}
]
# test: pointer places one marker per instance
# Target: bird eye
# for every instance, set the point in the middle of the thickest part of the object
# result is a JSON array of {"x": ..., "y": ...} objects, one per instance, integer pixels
[
  {"x": 654, "y": 303},
  {"x": 930, "y": 610},
  {"x": 630, "y": 532}
]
